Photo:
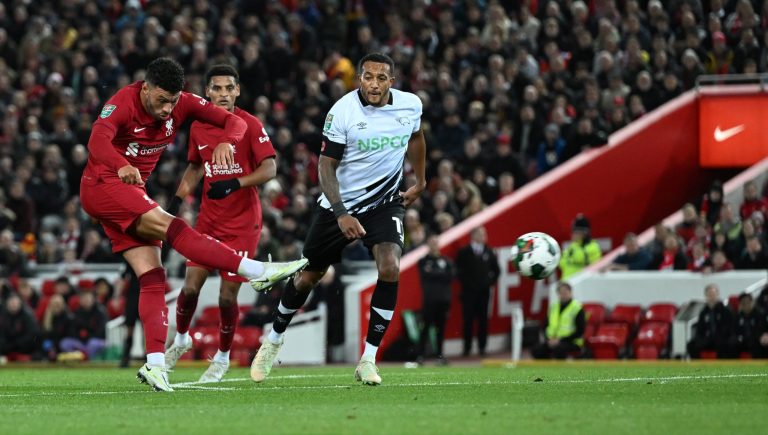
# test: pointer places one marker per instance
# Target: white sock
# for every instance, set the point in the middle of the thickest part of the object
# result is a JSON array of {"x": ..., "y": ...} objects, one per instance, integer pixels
[
  {"x": 250, "y": 268},
  {"x": 156, "y": 359},
  {"x": 182, "y": 338},
  {"x": 221, "y": 357},
  {"x": 370, "y": 350},
  {"x": 274, "y": 337}
]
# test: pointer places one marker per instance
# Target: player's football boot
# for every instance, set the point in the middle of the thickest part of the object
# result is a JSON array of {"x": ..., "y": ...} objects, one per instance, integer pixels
[
  {"x": 174, "y": 353},
  {"x": 215, "y": 372},
  {"x": 367, "y": 372},
  {"x": 265, "y": 357},
  {"x": 276, "y": 272},
  {"x": 154, "y": 376}
]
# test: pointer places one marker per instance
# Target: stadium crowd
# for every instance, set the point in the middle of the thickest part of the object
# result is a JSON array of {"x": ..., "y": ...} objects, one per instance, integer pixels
[{"x": 510, "y": 89}]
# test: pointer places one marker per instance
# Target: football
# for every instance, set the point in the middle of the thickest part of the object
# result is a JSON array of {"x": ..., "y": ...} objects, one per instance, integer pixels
[{"x": 536, "y": 255}]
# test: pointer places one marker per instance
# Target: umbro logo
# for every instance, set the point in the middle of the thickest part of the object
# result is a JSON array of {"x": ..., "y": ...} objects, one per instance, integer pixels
[
  {"x": 379, "y": 328},
  {"x": 361, "y": 125}
]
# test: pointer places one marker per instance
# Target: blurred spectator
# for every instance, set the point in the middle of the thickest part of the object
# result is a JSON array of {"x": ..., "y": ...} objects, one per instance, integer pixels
[
  {"x": 720, "y": 262},
  {"x": 711, "y": 203},
  {"x": 12, "y": 259},
  {"x": 27, "y": 293},
  {"x": 18, "y": 328},
  {"x": 89, "y": 328},
  {"x": 672, "y": 257},
  {"x": 57, "y": 324},
  {"x": 754, "y": 256},
  {"x": 753, "y": 202},
  {"x": 581, "y": 251},
  {"x": 634, "y": 256},
  {"x": 687, "y": 228},
  {"x": 720, "y": 58},
  {"x": 436, "y": 273},
  {"x": 564, "y": 330},
  {"x": 551, "y": 150},
  {"x": 699, "y": 259},
  {"x": 713, "y": 328},
  {"x": 729, "y": 223},
  {"x": 746, "y": 329},
  {"x": 477, "y": 270}
]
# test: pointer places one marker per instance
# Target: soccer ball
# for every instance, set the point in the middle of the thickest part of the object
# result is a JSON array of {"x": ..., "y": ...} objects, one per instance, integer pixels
[{"x": 536, "y": 255}]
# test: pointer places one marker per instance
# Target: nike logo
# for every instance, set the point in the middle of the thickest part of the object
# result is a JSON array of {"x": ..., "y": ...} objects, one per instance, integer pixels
[
  {"x": 200, "y": 147},
  {"x": 137, "y": 129},
  {"x": 721, "y": 135},
  {"x": 231, "y": 274}
]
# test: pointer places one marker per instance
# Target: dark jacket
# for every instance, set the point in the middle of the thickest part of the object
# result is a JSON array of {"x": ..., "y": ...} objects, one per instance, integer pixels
[
  {"x": 17, "y": 329},
  {"x": 436, "y": 273},
  {"x": 747, "y": 328},
  {"x": 714, "y": 323},
  {"x": 90, "y": 323},
  {"x": 476, "y": 273}
]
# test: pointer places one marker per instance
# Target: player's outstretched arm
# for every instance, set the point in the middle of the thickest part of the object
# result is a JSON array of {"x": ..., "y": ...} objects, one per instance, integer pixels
[
  {"x": 266, "y": 171},
  {"x": 192, "y": 175},
  {"x": 234, "y": 127},
  {"x": 329, "y": 184},
  {"x": 417, "y": 155}
]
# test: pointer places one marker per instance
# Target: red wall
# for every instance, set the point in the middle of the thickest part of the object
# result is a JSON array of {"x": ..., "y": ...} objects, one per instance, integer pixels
[{"x": 649, "y": 170}]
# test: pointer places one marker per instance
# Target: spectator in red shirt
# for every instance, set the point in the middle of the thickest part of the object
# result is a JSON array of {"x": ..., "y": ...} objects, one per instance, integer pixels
[{"x": 687, "y": 228}]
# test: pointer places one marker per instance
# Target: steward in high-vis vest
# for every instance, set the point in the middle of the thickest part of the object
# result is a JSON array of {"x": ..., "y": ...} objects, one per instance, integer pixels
[{"x": 565, "y": 327}]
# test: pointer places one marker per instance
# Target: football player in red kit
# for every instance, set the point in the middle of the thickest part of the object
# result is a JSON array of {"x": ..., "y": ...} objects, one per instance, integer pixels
[
  {"x": 134, "y": 128},
  {"x": 230, "y": 212}
]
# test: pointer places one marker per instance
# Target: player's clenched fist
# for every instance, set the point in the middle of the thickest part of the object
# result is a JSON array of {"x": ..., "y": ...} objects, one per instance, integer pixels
[
  {"x": 130, "y": 175},
  {"x": 351, "y": 227}
]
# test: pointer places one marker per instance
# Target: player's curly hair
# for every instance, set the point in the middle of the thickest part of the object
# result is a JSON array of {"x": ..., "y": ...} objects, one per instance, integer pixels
[
  {"x": 166, "y": 74},
  {"x": 222, "y": 69},
  {"x": 378, "y": 58}
]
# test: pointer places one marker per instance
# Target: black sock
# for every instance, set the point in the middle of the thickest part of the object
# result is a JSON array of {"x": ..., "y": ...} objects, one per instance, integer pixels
[
  {"x": 382, "y": 304},
  {"x": 291, "y": 301}
]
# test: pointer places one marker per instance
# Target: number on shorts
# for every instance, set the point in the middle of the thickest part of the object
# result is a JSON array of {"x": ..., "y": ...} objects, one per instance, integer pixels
[{"x": 399, "y": 225}]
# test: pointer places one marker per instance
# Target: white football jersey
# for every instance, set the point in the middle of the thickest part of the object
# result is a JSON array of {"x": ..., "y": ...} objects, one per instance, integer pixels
[{"x": 376, "y": 139}]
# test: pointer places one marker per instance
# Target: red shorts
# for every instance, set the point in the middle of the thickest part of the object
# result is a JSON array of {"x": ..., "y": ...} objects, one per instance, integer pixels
[
  {"x": 117, "y": 206},
  {"x": 244, "y": 245}
]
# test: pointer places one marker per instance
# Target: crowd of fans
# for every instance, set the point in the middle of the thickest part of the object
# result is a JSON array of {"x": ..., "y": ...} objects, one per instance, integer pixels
[
  {"x": 510, "y": 89},
  {"x": 716, "y": 236}
]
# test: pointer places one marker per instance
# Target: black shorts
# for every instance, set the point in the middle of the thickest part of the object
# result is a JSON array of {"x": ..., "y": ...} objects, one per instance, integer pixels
[{"x": 325, "y": 241}]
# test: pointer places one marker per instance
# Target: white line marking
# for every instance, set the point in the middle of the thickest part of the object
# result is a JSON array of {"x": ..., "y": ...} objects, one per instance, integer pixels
[{"x": 192, "y": 386}]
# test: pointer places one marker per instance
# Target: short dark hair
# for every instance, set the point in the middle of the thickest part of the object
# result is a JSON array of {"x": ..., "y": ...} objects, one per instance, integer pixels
[
  {"x": 222, "y": 69},
  {"x": 745, "y": 295},
  {"x": 166, "y": 74},
  {"x": 378, "y": 58}
]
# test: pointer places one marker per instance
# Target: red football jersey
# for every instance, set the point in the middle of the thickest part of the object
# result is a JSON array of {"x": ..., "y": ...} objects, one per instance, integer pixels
[
  {"x": 240, "y": 212},
  {"x": 126, "y": 134}
]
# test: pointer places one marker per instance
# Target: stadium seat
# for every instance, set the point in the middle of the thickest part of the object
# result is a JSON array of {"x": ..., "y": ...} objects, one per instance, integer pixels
[
  {"x": 651, "y": 334},
  {"x": 627, "y": 314},
  {"x": 646, "y": 352},
  {"x": 48, "y": 287},
  {"x": 242, "y": 357},
  {"x": 745, "y": 355},
  {"x": 85, "y": 284},
  {"x": 209, "y": 317},
  {"x": 609, "y": 340},
  {"x": 19, "y": 357},
  {"x": 662, "y": 312},
  {"x": 41, "y": 306},
  {"x": 595, "y": 312},
  {"x": 248, "y": 337},
  {"x": 589, "y": 330},
  {"x": 733, "y": 303},
  {"x": 74, "y": 303},
  {"x": 708, "y": 354}
]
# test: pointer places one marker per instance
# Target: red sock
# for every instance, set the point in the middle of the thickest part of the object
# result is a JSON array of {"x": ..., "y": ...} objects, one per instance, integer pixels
[
  {"x": 227, "y": 326},
  {"x": 152, "y": 309},
  {"x": 201, "y": 249},
  {"x": 185, "y": 309}
]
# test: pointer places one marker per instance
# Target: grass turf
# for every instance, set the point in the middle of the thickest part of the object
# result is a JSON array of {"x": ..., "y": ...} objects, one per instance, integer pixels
[{"x": 570, "y": 398}]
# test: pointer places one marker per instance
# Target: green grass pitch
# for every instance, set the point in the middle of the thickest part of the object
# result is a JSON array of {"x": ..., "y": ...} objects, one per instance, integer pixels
[{"x": 568, "y": 398}]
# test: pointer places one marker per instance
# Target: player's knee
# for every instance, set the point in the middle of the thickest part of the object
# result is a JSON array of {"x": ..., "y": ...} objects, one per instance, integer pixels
[
  {"x": 190, "y": 291},
  {"x": 227, "y": 300},
  {"x": 389, "y": 269},
  {"x": 305, "y": 281}
]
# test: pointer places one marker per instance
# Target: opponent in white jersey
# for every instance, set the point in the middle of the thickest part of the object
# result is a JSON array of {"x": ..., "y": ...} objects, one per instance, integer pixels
[{"x": 368, "y": 133}]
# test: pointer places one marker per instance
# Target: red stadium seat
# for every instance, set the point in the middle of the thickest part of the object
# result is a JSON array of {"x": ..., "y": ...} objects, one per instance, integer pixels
[
  {"x": 19, "y": 357},
  {"x": 627, "y": 314},
  {"x": 745, "y": 355},
  {"x": 609, "y": 340},
  {"x": 733, "y": 303},
  {"x": 41, "y": 306},
  {"x": 49, "y": 287},
  {"x": 595, "y": 312},
  {"x": 646, "y": 352},
  {"x": 248, "y": 337},
  {"x": 662, "y": 312},
  {"x": 651, "y": 334},
  {"x": 708, "y": 354},
  {"x": 85, "y": 284},
  {"x": 589, "y": 330},
  {"x": 209, "y": 317},
  {"x": 74, "y": 303},
  {"x": 242, "y": 357}
]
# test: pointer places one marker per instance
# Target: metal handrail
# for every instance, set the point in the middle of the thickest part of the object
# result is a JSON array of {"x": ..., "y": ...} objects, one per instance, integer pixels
[{"x": 732, "y": 79}]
